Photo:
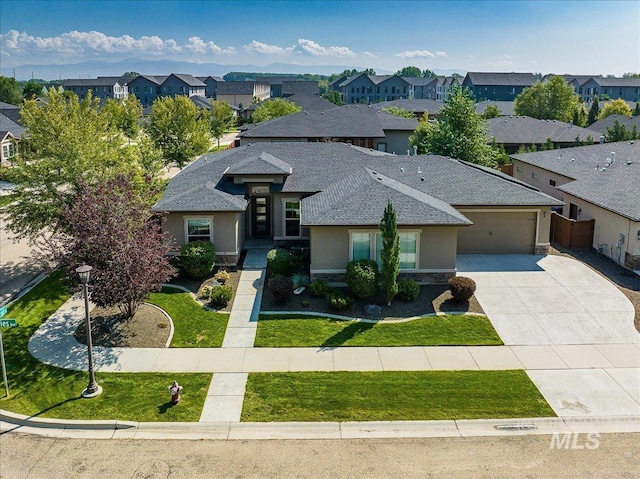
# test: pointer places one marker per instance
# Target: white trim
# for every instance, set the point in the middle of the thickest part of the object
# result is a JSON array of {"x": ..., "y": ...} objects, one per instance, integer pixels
[
  {"x": 185, "y": 219},
  {"x": 283, "y": 205}
]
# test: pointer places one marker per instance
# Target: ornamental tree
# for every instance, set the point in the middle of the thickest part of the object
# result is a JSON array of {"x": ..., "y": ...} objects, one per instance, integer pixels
[
  {"x": 110, "y": 227},
  {"x": 124, "y": 115},
  {"x": 616, "y": 107},
  {"x": 553, "y": 100},
  {"x": 221, "y": 119},
  {"x": 390, "y": 254},
  {"x": 275, "y": 108}
]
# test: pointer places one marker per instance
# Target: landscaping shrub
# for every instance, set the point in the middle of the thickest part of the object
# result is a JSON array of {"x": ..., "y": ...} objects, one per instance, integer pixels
[
  {"x": 279, "y": 261},
  {"x": 362, "y": 277},
  {"x": 462, "y": 288},
  {"x": 408, "y": 289},
  {"x": 299, "y": 280},
  {"x": 222, "y": 276},
  {"x": 198, "y": 258},
  {"x": 281, "y": 288},
  {"x": 339, "y": 301},
  {"x": 219, "y": 296},
  {"x": 319, "y": 288},
  {"x": 205, "y": 293}
]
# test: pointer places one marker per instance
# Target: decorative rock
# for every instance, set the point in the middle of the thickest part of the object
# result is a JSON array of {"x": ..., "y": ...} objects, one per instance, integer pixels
[{"x": 373, "y": 310}]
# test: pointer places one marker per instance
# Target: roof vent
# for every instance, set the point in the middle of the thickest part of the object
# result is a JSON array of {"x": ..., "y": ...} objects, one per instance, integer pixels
[
  {"x": 571, "y": 160},
  {"x": 374, "y": 172},
  {"x": 401, "y": 170}
]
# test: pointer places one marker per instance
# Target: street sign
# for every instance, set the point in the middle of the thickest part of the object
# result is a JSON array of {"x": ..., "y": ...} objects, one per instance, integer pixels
[
  {"x": 3, "y": 311},
  {"x": 8, "y": 323}
]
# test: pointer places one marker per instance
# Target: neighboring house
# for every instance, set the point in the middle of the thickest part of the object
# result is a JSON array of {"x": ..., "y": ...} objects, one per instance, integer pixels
[
  {"x": 422, "y": 88},
  {"x": 275, "y": 83},
  {"x": 243, "y": 93},
  {"x": 626, "y": 88},
  {"x": 359, "y": 125},
  {"x": 374, "y": 88},
  {"x": 102, "y": 87},
  {"x": 629, "y": 122},
  {"x": 10, "y": 111},
  {"x": 147, "y": 87},
  {"x": 211, "y": 83},
  {"x": 331, "y": 196},
  {"x": 444, "y": 87},
  {"x": 497, "y": 86},
  {"x": 515, "y": 131},
  {"x": 334, "y": 85},
  {"x": 10, "y": 136},
  {"x": 311, "y": 102},
  {"x": 506, "y": 107},
  {"x": 418, "y": 107},
  {"x": 599, "y": 182},
  {"x": 299, "y": 87}
]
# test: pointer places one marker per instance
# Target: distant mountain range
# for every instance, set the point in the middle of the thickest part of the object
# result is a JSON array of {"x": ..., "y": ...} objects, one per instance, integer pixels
[{"x": 92, "y": 69}]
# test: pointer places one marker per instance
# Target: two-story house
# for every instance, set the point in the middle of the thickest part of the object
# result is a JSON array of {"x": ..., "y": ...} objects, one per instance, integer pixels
[
  {"x": 102, "y": 87},
  {"x": 374, "y": 88},
  {"x": 241, "y": 94},
  {"x": 497, "y": 86},
  {"x": 148, "y": 87},
  {"x": 211, "y": 83}
]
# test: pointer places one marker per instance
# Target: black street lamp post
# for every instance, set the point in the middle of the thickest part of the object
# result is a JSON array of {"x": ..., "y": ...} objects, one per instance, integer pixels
[{"x": 93, "y": 389}]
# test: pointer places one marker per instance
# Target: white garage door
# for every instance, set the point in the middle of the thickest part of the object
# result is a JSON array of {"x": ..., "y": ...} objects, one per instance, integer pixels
[{"x": 498, "y": 233}]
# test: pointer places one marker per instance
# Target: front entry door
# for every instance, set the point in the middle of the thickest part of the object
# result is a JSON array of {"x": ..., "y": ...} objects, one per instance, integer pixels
[{"x": 260, "y": 216}]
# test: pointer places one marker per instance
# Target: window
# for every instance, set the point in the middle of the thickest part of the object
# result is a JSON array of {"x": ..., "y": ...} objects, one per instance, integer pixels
[
  {"x": 198, "y": 229},
  {"x": 368, "y": 245},
  {"x": 291, "y": 217},
  {"x": 519, "y": 169},
  {"x": 552, "y": 182},
  {"x": 8, "y": 151},
  {"x": 534, "y": 175}
]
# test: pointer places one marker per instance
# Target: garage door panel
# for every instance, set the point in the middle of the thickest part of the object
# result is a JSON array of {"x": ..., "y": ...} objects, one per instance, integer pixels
[{"x": 498, "y": 233}]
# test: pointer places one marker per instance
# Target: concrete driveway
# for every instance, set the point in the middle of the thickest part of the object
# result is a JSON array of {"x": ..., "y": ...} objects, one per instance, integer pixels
[{"x": 549, "y": 299}]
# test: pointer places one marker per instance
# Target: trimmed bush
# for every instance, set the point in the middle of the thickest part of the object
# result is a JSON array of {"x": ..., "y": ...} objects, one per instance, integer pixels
[
  {"x": 198, "y": 258},
  {"x": 408, "y": 289},
  {"x": 462, "y": 288},
  {"x": 319, "y": 288},
  {"x": 281, "y": 288},
  {"x": 339, "y": 301},
  {"x": 205, "y": 293},
  {"x": 299, "y": 280},
  {"x": 362, "y": 277},
  {"x": 219, "y": 296},
  {"x": 222, "y": 276},
  {"x": 279, "y": 261}
]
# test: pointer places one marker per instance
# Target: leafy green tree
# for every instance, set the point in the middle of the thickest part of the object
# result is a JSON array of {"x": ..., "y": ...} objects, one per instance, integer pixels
[
  {"x": 221, "y": 119},
  {"x": 31, "y": 89},
  {"x": 619, "y": 132},
  {"x": 428, "y": 74},
  {"x": 130, "y": 75},
  {"x": 124, "y": 115},
  {"x": 636, "y": 110},
  {"x": 334, "y": 97},
  {"x": 390, "y": 254},
  {"x": 580, "y": 116},
  {"x": 616, "y": 107},
  {"x": 397, "y": 111},
  {"x": 594, "y": 111},
  {"x": 369, "y": 71},
  {"x": 409, "y": 72},
  {"x": 274, "y": 109},
  {"x": 492, "y": 111},
  {"x": 178, "y": 129},
  {"x": 70, "y": 141},
  {"x": 631, "y": 75},
  {"x": 10, "y": 91},
  {"x": 459, "y": 132},
  {"x": 553, "y": 100}
]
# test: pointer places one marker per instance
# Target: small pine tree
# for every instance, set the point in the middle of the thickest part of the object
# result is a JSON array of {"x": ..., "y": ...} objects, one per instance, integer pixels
[
  {"x": 636, "y": 110},
  {"x": 594, "y": 111},
  {"x": 390, "y": 254}
]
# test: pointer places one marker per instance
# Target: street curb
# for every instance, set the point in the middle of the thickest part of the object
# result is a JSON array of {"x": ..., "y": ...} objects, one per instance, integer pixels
[
  {"x": 365, "y": 320},
  {"x": 324, "y": 430}
]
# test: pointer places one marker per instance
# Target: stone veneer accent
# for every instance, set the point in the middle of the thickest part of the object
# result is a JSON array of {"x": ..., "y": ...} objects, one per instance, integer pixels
[
  {"x": 542, "y": 248},
  {"x": 631, "y": 261}
]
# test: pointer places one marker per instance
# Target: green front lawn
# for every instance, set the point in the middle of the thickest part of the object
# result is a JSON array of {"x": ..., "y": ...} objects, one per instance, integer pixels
[
  {"x": 41, "y": 390},
  {"x": 391, "y": 396},
  {"x": 292, "y": 331},
  {"x": 194, "y": 326}
]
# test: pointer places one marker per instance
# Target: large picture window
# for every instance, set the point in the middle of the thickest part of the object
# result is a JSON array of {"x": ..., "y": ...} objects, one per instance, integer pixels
[
  {"x": 368, "y": 245},
  {"x": 198, "y": 229},
  {"x": 291, "y": 217}
]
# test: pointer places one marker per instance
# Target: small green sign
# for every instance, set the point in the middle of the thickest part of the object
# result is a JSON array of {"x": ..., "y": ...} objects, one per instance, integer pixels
[
  {"x": 3, "y": 311},
  {"x": 8, "y": 323}
]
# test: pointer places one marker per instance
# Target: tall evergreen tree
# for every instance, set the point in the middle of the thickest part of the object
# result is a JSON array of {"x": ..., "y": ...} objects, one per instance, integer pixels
[
  {"x": 636, "y": 110},
  {"x": 594, "y": 111},
  {"x": 390, "y": 254}
]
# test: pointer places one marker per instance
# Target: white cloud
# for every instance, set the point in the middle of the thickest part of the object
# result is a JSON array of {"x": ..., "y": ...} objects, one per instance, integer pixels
[
  {"x": 502, "y": 64},
  {"x": 77, "y": 44},
  {"x": 369, "y": 55},
  {"x": 506, "y": 57},
  {"x": 419, "y": 54},
  {"x": 265, "y": 49},
  {"x": 316, "y": 50}
]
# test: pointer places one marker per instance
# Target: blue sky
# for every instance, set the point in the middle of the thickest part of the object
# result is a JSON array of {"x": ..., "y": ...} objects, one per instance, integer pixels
[{"x": 581, "y": 37}]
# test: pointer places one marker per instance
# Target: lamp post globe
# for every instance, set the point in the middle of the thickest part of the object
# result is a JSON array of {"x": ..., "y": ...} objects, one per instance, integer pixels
[{"x": 93, "y": 389}]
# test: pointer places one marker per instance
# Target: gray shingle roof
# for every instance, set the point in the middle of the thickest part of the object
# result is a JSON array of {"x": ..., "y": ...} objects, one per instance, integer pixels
[
  {"x": 189, "y": 79},
  {"x": 300, "y": 87},
  {"x": 349, "y": 121},
  {"x": 501, "y": 79},
  {"x": 360, "y": 199},
  {"x": 506, "y": 107},
  {"x": 93, "y": 82},
  {"x": 618, "y": 82},
  {"x": 262, "y": 164},
  {"x": 7, "y": 125},
  {"x": 316, "y": 166},
  {"x": 518, "y": 130},
  {"x": 616, "y": 189},
  {"x": 628, "y": 121},
  {"x": 10, "y": 111},
  {"x": 421, "y": 81},
  {"x": 418, "y": 106},
  {"x": 311, "y": 102},
  {"x": 236, "y": 88}
]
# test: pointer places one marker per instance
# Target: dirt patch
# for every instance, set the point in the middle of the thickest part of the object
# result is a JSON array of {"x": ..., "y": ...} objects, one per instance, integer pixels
[
  {"x": 432, "y": 299},
  {"x": 149, "y": 328}
]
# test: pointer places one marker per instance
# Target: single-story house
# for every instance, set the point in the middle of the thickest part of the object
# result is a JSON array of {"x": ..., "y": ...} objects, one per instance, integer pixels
[
  {"x": 360, "y": 125},
  {"x": 599, "y": 182},
  {"x": 331, "y": 196},
  {"x": 629, "y": 122},
  {"x": 515, "y": 131}
]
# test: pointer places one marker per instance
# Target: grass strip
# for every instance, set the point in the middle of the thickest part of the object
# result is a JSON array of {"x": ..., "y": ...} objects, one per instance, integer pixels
[
  {"x": 37, "y": 389},
  {"x": 392, "y": 396},
  {"x": 194, "y": 326},
  {"x": 451, "y": 330}
]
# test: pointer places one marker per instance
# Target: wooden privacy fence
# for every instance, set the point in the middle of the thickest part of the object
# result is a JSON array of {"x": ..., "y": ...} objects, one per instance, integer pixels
[{"x": 572, "y": 233}]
